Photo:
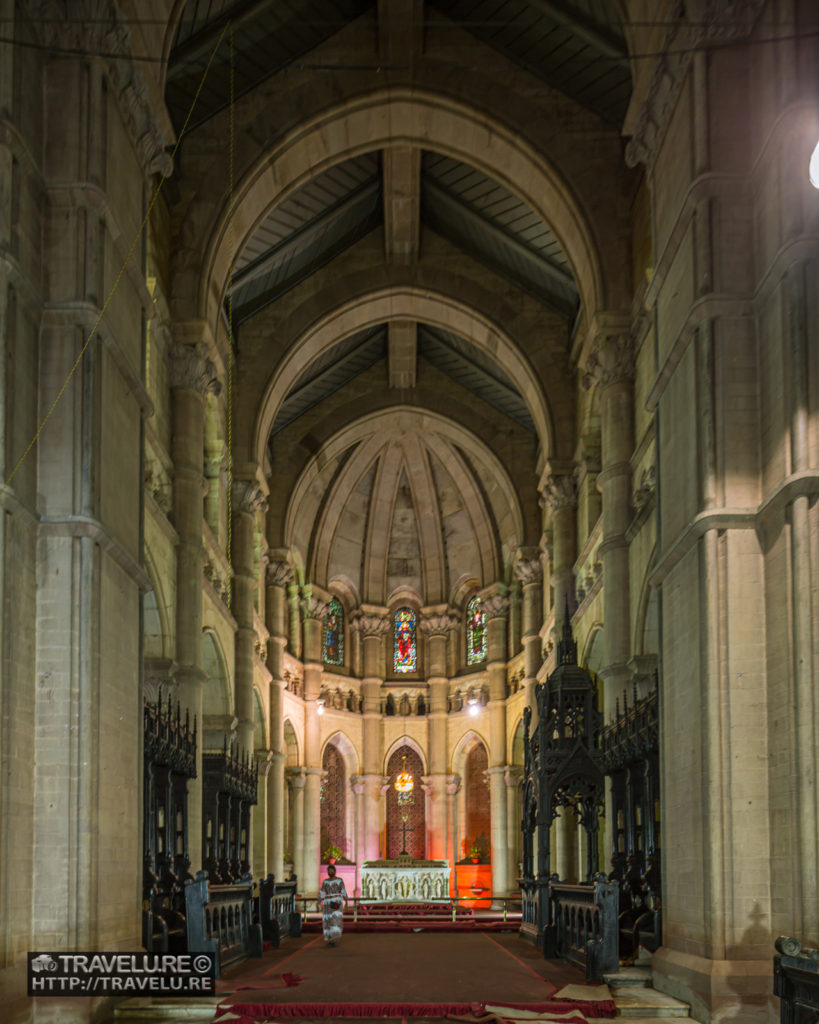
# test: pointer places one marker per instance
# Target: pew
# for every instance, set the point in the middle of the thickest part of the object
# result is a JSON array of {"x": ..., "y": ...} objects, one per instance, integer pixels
[
  {"x": 583, "y": 926},
  {"x": 796, "y": 981},
  {"x": 277, "y": 910},
  {"x": 220, "y": 920}
]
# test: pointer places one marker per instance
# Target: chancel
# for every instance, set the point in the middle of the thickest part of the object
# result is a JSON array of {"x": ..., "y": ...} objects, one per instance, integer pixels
[{"x": 411, "y": 389}]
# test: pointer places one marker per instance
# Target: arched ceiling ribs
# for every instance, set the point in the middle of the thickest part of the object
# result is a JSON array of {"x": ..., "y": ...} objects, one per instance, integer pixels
[
  {"x": 407, "y": 303},
  {"x": 407, "y": 117},
  {"x": 327, "y": 526},
  {"x": 444, "y": 520},
  {"x": 475, "y": 507},
  {"x": 379, "y": 526},
  {"x": 422, "y": 488}
]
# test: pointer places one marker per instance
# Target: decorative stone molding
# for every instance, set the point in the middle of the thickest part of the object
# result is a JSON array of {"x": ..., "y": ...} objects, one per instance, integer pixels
[
  {"x": 496, "y": 606},
  {"x": 190, "y": 368},
  {"x": 611, "y": 360},
  {"x": 247, "y": 497},
  {"x": 370, "y": 625},
  {"x": 528, "y": 571},
  {"x": 97, "y": 27},
  {"x": 453, "y": 785},
  {"x": 644, "y": 494},
  {"x": 158, "y": 483},
  {"x": 439, "y": 625},
  {"x": 559, "y": 492},
  {"x": 278, "y": 574},
  {"x": 698, "y": 23},
  {"x": 314, "y": 607}
]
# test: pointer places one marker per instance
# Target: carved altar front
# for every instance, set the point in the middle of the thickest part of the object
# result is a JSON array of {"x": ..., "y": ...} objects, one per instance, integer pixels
[{"x": 404, "y": 880}]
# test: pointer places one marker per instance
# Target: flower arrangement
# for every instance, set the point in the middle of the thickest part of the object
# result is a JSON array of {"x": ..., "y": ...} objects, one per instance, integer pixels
[{"x": 332, "y": 854}]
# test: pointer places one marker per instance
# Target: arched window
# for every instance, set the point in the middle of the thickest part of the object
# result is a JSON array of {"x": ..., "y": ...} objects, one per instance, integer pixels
[
  {"x": 333, "y": 637},
  {"x": 405, "y": 647},
  {"x": 475, "y": 632}
]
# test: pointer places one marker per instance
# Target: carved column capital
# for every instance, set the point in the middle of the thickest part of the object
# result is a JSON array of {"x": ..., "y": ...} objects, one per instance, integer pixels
[
  {"x": 528, "y": 571},
  {"x": 370, "y": 625},
  {"x": 190, "y": 368},
  {"x": 314, "y": 607},
  {"x": 610, "y": 361},
  {"x": 278, "y": 573},
  {"x": 248, "y": 497},
  {"x": 453, "y": 784},
  {"x": 495, "y": 606},
  {"x": 439, "y": 624},
  {"x": 558, "y": 492}
]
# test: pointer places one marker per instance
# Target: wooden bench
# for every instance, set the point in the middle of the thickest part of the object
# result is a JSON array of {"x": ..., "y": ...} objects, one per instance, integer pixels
[
  {"x": 220, "y": 920},
  {"x": 277, "y": 910},
  {"x": 583, "y": 926},
  {"x": 796, "y": 982}
]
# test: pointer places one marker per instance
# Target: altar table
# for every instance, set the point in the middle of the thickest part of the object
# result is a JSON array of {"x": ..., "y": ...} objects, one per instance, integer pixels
[{"x": 404, "y": 880}]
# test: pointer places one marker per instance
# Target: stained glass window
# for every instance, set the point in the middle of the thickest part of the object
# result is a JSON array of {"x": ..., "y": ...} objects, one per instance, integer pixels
[
  {"x": 333, "y": 639},
  {"x": 405, "y": 649},
  {"x": 475, "y": 632}
]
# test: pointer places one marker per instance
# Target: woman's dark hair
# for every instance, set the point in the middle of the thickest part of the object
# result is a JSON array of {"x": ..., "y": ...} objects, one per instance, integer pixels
[{"x": 331, "y": 870}]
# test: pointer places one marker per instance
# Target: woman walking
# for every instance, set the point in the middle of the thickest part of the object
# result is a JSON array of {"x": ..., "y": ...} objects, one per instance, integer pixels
[{"x": 332, "y": 897}]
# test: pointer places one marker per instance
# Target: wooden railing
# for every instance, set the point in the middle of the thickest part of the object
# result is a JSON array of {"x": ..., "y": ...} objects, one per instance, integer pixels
[
  {"x": 220, "y": 920},
  {"x": 277, "y": 910},
  {"x": 583, "y": 926},
  {"x": 796, "y": 982}
]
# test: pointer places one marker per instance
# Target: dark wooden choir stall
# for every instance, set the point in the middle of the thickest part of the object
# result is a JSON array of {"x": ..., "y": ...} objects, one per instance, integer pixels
[
  {"x": 631, "y": 759},
  {"x": 169, "y": 760},
  {"x": 563, "y": 769}
]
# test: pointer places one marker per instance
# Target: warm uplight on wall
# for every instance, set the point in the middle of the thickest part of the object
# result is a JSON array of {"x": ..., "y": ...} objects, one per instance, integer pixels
[{"x": 813, "y": 167}]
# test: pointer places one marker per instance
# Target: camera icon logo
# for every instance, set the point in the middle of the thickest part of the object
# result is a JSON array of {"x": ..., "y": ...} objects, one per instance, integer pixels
[{"x": 43, "y": 962}]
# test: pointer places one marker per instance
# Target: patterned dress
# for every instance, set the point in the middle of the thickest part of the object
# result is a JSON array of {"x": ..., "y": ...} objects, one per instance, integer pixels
[{"x": 332, "y": 895}]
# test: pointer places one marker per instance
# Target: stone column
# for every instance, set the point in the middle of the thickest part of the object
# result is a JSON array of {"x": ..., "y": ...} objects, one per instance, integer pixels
[
  {"x": 529, "y": 571},
  {"x": 371, "y": 629},
  {"x": 437, "y": 628},
  {"x": 278, "y": 576},
  {"x": 260, "y": 863},
  {"x": 559, "y": 498},
  {"x": 247, "y": 500},
  {"x": 512, "y": 776},
  {"x": 313, "y": 612},
  {"x": 192, "y": 377},
  {"x": 297, "y": 779},
  {"x": 611, "y": 367},
  {"x": 453, "y": 784},
  {"x": 357, "y": 788},
  {"x": 496, "y": 608}
]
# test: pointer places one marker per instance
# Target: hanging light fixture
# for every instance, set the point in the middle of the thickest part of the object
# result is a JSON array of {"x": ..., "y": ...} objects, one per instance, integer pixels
[
  {"x": 404, "y": 781},
  {"x": 813, "y": 167}
]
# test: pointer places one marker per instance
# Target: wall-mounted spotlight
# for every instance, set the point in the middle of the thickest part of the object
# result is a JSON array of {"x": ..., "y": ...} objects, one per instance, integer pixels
[
  {"x": 813, "y": 167},
  {"x": 473, "y": 705},
  {"x": 320, "y": 703}
]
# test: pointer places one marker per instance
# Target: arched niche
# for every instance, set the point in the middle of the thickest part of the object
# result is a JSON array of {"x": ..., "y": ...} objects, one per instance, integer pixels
[
  {"x": 405, "y": 755},
  {"x": 339, "y": 763},
  {"x": 217, "y": 699},
  {"x": 470, "y": 761}
]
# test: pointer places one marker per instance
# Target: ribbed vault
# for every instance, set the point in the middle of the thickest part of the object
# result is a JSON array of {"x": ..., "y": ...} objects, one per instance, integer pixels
[{"x": 404, "y": 500}]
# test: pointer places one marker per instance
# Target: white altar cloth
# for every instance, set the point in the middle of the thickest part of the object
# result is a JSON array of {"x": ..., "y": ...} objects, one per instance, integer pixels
[{"x": 405, "y": 881}]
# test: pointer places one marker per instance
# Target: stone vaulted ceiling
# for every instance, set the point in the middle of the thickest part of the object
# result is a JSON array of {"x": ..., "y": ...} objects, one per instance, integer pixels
[
  {"x": 413, "y": 507},
  {"x": 403, "y": 503}
]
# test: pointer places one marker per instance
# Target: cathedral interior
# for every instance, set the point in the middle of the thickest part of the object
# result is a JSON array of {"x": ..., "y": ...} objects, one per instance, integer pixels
[{"x": 357, "y": 356}]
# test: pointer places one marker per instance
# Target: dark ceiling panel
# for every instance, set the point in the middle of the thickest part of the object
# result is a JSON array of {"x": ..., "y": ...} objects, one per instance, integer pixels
[
  {"x": 576, "y": 46},
  {"x": 474, "y": 370},
  {"x": 267, "y": 35}
]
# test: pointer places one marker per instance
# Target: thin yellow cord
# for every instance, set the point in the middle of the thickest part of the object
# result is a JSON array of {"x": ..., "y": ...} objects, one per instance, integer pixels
[
  {"x": 231, "y": 244},
  {"x": 115, "y": 285}
]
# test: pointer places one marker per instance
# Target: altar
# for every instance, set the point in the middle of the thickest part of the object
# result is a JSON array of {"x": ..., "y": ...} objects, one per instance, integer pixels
[{"x": 404, "y": 880}]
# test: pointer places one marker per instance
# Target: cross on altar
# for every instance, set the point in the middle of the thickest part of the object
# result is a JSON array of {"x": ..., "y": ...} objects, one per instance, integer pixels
[{"x": 404, "y": 830}]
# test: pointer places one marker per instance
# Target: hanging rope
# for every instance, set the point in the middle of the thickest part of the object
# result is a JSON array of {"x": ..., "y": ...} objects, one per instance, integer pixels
[
  {"x": 231, "y": 247},
  {"x": 126, "y": 261}
]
